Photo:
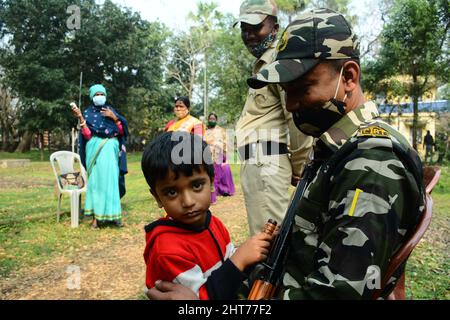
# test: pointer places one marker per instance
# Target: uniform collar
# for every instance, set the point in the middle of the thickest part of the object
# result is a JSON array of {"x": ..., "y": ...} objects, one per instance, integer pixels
[{"x": 335, "y": 137}]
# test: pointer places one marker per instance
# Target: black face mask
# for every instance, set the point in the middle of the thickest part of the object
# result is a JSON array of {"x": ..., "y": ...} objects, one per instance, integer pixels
[
  {"x": 259, "y": 50},
  {"x": 315, "y": 121}
]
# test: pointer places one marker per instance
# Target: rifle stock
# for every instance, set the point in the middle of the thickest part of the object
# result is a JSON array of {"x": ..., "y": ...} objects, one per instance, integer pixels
[
  {"x": 265, "y": 287},
  {"x": 261, "y": 290}
]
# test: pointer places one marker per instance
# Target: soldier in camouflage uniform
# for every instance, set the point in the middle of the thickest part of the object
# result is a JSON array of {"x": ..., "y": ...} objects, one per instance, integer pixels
[{"x": 367, "y": 194}]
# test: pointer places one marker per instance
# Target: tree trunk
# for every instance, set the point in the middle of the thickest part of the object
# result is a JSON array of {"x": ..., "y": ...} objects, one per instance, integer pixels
[
  {"x": 25, "y": 143},
  {"x": 41, "y": 145},
  {"x": 416, "y": 120},
  {"x": 8, "y": 139},
  {"x": 415, "y": 96},
  {"x": 5, "y": 138},
  {"x": 49, "y": 136}
]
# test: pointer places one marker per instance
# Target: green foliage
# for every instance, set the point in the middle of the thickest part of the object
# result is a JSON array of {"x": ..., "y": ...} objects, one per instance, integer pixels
[
  {"x": 230, "y": 65},
  {"x": 444, "y": 92},
  {"x": 341, "y": 6},
  {"x": 211, "y": 39},
  {"x": 412, "y": 42},
  {"x": 413, "y": 52},
  {"x": 144, "y": 65},
  {"x": 412, "y": 38},
  {"x": 33, "y": 61},
  {"x": 290, "y": 8},
  {"x": 149, "y": 111},
  {"x": 43, "y": 59}
]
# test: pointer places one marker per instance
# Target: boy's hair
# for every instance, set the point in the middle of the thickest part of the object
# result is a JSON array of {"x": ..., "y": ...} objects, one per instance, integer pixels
[{"x": 192, "y": 153}]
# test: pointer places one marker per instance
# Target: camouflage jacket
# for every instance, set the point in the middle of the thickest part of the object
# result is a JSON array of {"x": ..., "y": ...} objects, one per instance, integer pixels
[{"x": 351, "y": 220}]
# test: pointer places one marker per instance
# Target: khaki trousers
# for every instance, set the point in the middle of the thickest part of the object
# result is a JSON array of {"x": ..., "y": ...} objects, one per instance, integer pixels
[{"x": 265, "y": 182}]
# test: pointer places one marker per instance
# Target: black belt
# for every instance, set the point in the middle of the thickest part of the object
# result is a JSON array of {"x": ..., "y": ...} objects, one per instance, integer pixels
[{"x": 269, "y": 148}]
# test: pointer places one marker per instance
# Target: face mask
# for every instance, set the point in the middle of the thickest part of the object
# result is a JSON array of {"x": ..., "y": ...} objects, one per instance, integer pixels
[
  {"x": 212, "y": 124},
  {"x": 259, "y": 50},
  {"x": 99, "y": 101},
  {"x": 181, "y": 114},
  {"x": 315, "y": 121}
]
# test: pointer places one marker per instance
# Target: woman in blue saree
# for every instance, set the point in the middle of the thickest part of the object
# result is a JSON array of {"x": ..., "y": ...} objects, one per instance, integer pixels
[{"x": 102, "y": 150}]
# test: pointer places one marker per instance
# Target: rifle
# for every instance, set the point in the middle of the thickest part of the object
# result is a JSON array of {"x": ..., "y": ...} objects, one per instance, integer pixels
[{"x": 273, "y": 269}]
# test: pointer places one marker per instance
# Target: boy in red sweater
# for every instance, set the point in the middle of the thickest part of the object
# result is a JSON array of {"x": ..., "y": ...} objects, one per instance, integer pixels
[{"x": 190, "y": 246}]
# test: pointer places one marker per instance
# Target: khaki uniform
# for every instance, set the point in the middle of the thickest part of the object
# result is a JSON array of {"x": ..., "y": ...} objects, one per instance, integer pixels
[{"x": 265, "y": 179}]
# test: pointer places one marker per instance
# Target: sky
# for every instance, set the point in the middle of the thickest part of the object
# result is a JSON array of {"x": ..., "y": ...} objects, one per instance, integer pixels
[{"x": 173, "y": 12}]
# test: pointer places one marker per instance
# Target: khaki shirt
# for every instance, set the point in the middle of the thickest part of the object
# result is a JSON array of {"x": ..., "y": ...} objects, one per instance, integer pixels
[{"x": 265, "y": 118}]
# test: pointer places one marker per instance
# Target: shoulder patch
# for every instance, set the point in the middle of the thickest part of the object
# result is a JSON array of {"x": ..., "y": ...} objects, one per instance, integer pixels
[
  {"x": 283, "y": 41},
  {"x": 373, "y": 132}
]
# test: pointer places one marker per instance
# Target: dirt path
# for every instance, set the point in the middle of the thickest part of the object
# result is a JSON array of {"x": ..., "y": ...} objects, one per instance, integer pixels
[{"x": 112, "y": 271}]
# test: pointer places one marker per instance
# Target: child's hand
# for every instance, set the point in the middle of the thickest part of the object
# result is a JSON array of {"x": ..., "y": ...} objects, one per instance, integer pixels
[{"x": 252, "y": 251}]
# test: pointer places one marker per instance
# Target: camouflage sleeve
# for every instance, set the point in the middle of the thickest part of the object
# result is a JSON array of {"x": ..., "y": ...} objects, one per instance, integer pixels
[{"x": 341, "y": 248}]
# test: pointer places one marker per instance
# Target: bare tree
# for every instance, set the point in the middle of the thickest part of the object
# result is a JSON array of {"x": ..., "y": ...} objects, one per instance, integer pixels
[{"x": 185, "y": 54}]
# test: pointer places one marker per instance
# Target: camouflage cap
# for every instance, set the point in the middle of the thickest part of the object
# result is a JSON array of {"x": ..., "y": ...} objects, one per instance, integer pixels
[
  {"x": 321, "y": 34},
  {"x": 255, "y": 11}
]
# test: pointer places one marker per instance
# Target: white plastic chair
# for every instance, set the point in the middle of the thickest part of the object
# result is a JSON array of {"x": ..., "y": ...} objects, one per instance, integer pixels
[{"x": 66, "y": 161}]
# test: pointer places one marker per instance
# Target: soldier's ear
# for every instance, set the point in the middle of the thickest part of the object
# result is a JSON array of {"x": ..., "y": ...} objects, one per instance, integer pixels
[{"x": 351, "y": 75}]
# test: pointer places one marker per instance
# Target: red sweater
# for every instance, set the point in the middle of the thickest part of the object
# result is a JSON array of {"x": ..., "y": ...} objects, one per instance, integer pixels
[{"x": 195, "y": 258}]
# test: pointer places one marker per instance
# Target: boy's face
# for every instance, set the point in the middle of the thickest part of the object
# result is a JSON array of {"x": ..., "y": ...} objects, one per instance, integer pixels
[{"x": 186, "y": 199}]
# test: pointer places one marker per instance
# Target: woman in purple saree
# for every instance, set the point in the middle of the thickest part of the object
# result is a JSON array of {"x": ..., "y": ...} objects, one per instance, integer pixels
[{"x": 217, "y": 139}]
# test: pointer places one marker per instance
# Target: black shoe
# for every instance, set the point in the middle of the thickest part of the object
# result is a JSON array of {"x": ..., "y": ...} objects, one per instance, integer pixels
[{"x": 119, "y": 224}]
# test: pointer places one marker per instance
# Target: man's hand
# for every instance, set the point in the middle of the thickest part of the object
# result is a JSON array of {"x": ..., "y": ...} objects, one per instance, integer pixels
[{"x": 164, "y": 290}]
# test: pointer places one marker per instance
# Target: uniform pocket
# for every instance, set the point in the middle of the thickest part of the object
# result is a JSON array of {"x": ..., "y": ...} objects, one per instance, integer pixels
[{"x": 264, "y": 98}]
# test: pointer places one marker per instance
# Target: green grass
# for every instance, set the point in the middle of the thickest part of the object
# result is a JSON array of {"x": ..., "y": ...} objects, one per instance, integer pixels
[
  {"x": 30, "y": 236},
  {"x": 34, "y": 155},
  {"x": 428, "y": 269},
  {"x": 443, "y": 187}
]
